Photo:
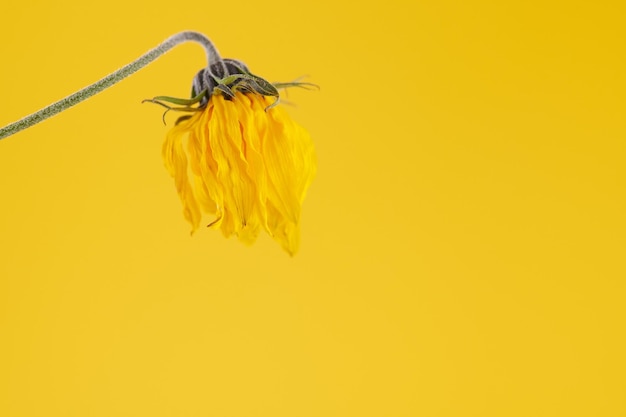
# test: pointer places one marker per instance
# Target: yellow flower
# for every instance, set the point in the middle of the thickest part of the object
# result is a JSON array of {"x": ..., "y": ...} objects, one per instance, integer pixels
[
  {"x": 238, "y": 158},
  {"x": 243, "y": 162}
]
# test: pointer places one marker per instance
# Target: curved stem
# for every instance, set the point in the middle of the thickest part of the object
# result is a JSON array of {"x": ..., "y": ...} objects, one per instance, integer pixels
[{"x": 73, "y": 99}]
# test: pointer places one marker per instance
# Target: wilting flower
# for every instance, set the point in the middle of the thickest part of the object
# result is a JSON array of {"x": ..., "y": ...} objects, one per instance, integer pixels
[{"x": 239, "y": 157}]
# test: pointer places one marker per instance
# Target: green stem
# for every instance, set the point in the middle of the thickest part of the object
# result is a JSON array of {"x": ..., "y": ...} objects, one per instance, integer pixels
[{"x": 73, "y": 99}]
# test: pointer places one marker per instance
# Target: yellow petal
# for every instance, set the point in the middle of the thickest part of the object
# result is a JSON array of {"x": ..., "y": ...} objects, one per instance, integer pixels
[
  {"x": 176, "y": 162},
  {"x": 290, "y": 162},
  {"x": 248, "y": 167},
  {"x": 228, "y": 150}
]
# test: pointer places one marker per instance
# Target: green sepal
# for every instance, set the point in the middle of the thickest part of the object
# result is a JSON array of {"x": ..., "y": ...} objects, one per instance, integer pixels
[
  {"x": 306, "y": 86},
  {"x": 186, "y": 103},
  {"x": 225, "y": 90},
  {"x": 175, "y": 100}
]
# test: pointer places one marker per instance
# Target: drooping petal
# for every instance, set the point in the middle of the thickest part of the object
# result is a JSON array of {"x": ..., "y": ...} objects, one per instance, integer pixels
[
  {"x": 208, "y": 167},
  {"x": 290, "y": 162},
  {"x": 248, "y": 167},
  {"x": 252, "y": 152},
  {"x": 228, "y": 150},
  {"x": 175, "y": 160},
  {"x": 197, "y": 166}
]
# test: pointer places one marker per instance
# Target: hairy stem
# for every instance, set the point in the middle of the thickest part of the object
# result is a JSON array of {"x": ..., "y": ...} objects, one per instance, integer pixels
[{"x": 73, "y": 99}]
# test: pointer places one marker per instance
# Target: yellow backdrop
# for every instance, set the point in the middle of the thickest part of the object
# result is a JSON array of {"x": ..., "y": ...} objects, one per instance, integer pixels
[{"x": 462, "y": 245}]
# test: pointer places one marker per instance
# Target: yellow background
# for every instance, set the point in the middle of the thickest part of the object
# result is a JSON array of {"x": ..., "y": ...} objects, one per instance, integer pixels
[{"x": 462, "y": 245}]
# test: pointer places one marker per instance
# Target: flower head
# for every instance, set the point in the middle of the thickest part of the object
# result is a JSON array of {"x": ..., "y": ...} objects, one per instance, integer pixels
[{"x": 239, "y": 157}]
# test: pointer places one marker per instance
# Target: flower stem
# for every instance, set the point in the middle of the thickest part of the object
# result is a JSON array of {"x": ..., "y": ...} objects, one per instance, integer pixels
[{"x": 73, "y": 99}]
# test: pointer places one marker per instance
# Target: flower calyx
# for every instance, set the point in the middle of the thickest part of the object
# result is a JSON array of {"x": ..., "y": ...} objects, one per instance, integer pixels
[{"x": 226, "y": 76}]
